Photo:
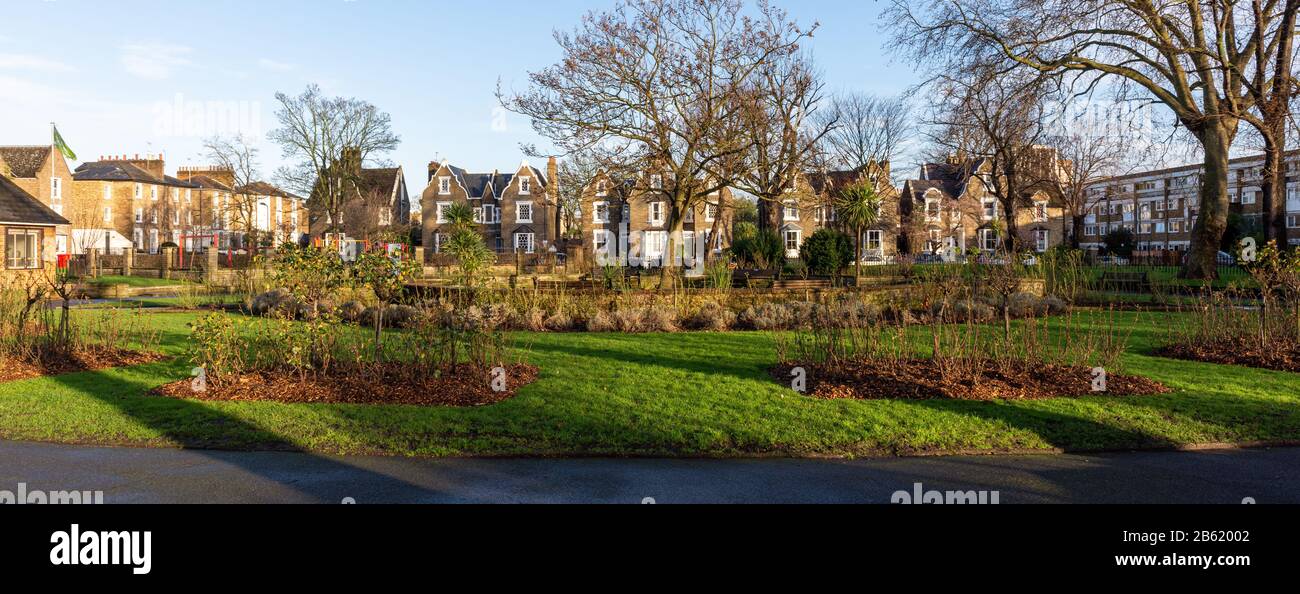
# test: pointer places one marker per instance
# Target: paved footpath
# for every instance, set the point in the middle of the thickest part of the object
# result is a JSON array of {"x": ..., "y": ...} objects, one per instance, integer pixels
[{"x": 190, "y": 476}]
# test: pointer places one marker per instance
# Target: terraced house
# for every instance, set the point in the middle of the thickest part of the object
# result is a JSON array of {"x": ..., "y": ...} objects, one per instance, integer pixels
[
  {"x": 812, "y": 207},
  {"x": 131, "y": 203},
  {"x": 949, "y": 209},
  {"x": 1160, "y": 207},
  {"x": 626, "y": 221},
  {"x": 515, "y": 212}
]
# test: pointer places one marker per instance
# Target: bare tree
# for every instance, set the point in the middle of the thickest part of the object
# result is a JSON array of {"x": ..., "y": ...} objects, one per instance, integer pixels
[
  {"x": 238, "y": 157},
  {"x": 781, "y": 124},
  {"x": 1273, "y": 87},
  {"x": 655, "y": 82},
  {"x": 322, "y": 136},
  {"x": 577, "y": 172},
  {"x": 1191, "y": 56},
  {"x": 871, "y": 130},
  {"x": 996, "y": 117}
]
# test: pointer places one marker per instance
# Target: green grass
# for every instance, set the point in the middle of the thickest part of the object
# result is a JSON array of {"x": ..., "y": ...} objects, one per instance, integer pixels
[
  {"x": 664, "y": 395},
  {"x": 133, "y": 281}
]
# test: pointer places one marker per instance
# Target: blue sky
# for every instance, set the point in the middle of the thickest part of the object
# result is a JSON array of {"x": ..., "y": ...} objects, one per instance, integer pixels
[{"x": 142, "y": 76}]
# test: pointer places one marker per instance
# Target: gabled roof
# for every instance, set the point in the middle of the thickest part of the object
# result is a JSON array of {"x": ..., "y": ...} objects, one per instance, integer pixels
[
  {"x": 17, "y": 206},
  {"x": 477, "y": 185},
  {"x": 207, "y": 183},
  {"x": 25, "y": 161},
  {"x": 115, "y": 171}
]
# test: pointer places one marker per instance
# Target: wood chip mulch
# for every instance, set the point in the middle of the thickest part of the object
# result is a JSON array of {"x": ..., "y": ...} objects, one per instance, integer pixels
[
  {"x": 15, "y": 369},
  {"x": 1278, "y": 355},
  {"x": 464, "y": 387},
  {"x": 919, "y": 380}
]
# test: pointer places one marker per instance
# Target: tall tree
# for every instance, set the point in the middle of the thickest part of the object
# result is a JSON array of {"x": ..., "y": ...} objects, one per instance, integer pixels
[
  {"x": 1192, "y": 56},
  {"x": 326, "y": 140},
  {"x": 1273, "y": 87},
  {"x": 780, "y": 123},
  {"x": 655, "y": 82},
  {"x": 577, "y": 173},
  {"x": 870, "y": 130},
  {"x": 998, "y": 117},
  {"x": 238, "y": 156}
]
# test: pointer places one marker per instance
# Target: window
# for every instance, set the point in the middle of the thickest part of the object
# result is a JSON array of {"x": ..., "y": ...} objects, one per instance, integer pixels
[
  {"x": 153, "y": 241},
  {"x": 988, "y": 240},
  {"x": 495, "y": 212},
  {"x": 656, "y": 182},
  {"x": 933, "y": 210},
  {"x": 23, "y": 249},
  {"x": 176, "y": 196},
  {"x": 479, "y": 214},
  {"x": 1090, "y": 230},
  {"x": 602, "y": 240},
  {"x": 793, "y": 239},
  {"x": 525, "y": 186},
  {"x": 108, "y": 215},
  {"x": 139, "y": 191},
  {"x": 444, "y": 186},
  {"x": 56, "y": 191},
  {"x": 138, "y": 238},
  {"x": 176, "y": 217},
  {"x": 1040, "y": 212},
  {"x": 1145, "y": 213},
  {"x": 1249, "y": 197},
  {"x": 791, "y": 211},
  {"x": 441, "y": 211},
  {"x": 524, "y": 243},
  {"x": 656, "y": 213},
  {"x": 875, "y": 241},
  {"x": 108, "y": 191},
  {"x": 656, "y": 243},
  {"x": 189, "y": 197},
  {"x": 1175, "y": 226},
  {"x": 990, "y": 210},
  {"x": 711, "y": 212},
  {"x": 1144, "y": 228},
  {"x": 189, "y": 218},
  {"x": 1042, "y": 238},
  {"x": 139, "y": 215},
  {"x": 524, "y": 212},
  {"x": 602, "y": 189},
  {"x": 153, "y": 193},
  {"x": 600, "y": 212},
  {"x": 1293, "y": 221},
  {"x": 690, "y": 216}
]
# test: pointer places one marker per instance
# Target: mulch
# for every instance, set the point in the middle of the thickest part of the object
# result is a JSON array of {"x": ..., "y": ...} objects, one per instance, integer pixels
[
  {"x": 1278, "y": 355},
  {"x": 466, "y": 386},
  {"x": 919, "y": 380},
  {"x": 14, "y": 369}
]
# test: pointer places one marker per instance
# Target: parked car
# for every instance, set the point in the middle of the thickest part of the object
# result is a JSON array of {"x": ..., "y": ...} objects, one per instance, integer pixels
[
  {"x": 1113, "y": 261},
  {"x": 928, "y": 259},
  {"x": 1221, "y": 258}
]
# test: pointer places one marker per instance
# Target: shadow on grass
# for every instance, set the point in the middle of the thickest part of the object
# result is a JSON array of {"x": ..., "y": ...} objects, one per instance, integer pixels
[{"x": 194, "y": 425}]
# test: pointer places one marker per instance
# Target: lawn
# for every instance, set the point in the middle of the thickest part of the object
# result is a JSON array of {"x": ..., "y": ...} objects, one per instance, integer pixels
[
  {"x": 664, "y": 395},
  {"x": 133, "y": 281}
]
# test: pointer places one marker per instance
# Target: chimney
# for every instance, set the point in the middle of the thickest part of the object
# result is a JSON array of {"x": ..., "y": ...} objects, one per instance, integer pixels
[
  {"x": 352, "y": 160},
  {"x": 155, "y": 166}
]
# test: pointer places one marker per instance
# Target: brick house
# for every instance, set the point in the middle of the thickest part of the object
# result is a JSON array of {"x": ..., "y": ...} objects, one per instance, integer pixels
[
  {"x": 43, "y": 174},
  {"x": 627, "y": 222},
  {"x": 811, "y": 207},
  {"x": 515, "y": 211},
  {"x": 28, "y": 228},
  {"x": 950, "y": 206},
  {"x": 1161, "y": 206},
  {"x": 378, "y": 202}
]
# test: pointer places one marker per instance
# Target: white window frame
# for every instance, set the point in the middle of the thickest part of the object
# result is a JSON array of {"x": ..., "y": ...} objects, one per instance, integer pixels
[
  {"x": 444, "y": 186},
  {"x": 877, "y": 237},
  {"x": 531, "y": 242},
  {"x": 525, "y": 186},
  {"x": 602, "y": 189},
  {"x": 596, "y": 208},
  {"x": 440, "y": 212},
  {"x": 656, "y": 181},
  {"x": 153, "y": 193},
  {"x": 1042, "y": 240},
  {"x": 656, "y": 213},
  {"x": 139, "y": 191},
  {"x": 519, "y": 214},
  {"x": 139, "y": 215},
  {"x": 108, "y": 191},
  {"x": 600, "y": 240},
  {"x": 654, "y": 246},
  {"x": 108, "y": 215},
  {"x": 987, "y": 236},
  {"x": 711, "y": 212},
  {"x": 798, "y": 241},
  {"x": 790, "y": 211}
]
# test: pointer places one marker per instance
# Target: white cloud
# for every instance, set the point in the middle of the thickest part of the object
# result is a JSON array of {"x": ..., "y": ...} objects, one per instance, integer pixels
[
  {"x": 154, "y": 61},
  {"x": 269, "y": 64},
  {"x": 30, "y": 62}
]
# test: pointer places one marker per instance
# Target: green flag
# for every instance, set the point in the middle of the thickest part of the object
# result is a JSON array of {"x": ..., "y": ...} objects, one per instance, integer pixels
[{"x": 63, "y": 146}]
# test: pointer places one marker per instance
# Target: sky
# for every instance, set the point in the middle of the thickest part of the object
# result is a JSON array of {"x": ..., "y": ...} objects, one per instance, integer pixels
[{"x": 151, "y": 76}]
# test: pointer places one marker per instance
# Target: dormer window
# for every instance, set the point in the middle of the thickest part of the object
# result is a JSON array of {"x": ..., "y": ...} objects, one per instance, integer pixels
[
  {"x": 444, "y": 186},
  {"x": 602, "y": 189},
  {"x": 525, "y": 186},
  {"x": 656, "y": 182},
  {"x": 1040, "y": 213}
]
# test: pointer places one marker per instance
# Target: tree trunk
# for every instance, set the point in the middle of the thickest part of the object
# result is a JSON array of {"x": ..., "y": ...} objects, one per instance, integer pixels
[
  {"x": 857, "y": 251},
  {"x": 667, "y": 271},
  {"x": 1273, "y": 202},
  {"x": 1076, "y": 231},
  {"x": 1202, "y": 258}
]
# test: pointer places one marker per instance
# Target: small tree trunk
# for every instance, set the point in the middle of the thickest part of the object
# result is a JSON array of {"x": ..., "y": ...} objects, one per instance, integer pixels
[
  {"x": 1076, "y": 231},
  {"x": 1202, "y": 257},
  {"x": 379, "y": 335}
]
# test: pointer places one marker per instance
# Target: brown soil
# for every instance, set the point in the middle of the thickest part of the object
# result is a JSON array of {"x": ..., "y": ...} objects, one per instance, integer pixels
[
  {"x": 919, "y": 380},
  {"x": 14, "y": 369},
  {"x": 1279, "y": 355},
  {"x": 465, "y": 387}
]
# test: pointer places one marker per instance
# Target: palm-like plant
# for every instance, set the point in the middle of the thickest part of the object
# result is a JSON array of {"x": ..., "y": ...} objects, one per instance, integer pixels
[
  {"x": 464, "y": 242},
  {"x": 858, "y": 206}
]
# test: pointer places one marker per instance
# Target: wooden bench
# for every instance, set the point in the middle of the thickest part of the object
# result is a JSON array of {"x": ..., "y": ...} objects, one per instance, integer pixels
[{"x": 1125, "y": 282}]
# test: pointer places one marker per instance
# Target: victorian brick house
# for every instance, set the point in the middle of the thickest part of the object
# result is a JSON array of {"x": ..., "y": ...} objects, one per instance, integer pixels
[
  {"x": 627, "y": 221},
  {"x": 515, "y": 212},
  {"x": 950, "y": 209},
  {"x": 811, "y": 206}
]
